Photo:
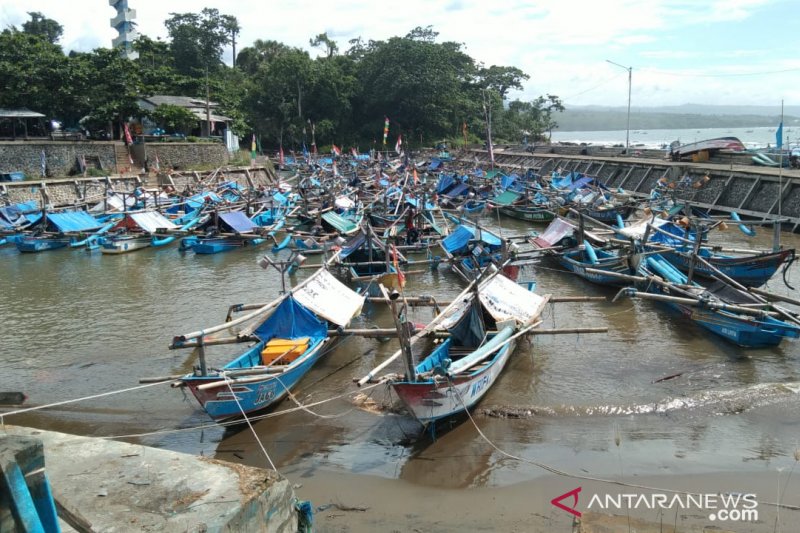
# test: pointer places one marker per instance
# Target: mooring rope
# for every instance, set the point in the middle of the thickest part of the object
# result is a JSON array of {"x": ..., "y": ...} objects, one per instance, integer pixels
[
  {"x": 252, "y": 429},
  {"x": 75, "y": 400}
]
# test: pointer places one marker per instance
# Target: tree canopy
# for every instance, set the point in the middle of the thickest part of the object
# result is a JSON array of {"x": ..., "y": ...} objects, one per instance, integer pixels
[{"x": 428, "y": 89}]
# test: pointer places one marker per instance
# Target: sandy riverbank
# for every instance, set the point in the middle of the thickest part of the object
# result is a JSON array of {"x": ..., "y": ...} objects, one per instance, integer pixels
[{"x": 357, "y": 503}]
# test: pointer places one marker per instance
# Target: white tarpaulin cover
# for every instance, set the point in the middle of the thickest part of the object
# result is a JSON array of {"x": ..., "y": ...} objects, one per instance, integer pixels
[
  {"x": 506, "y": 300},
  {"x": 329, "y": 298},
  {"x": 638, "y": 229},
  {"x": 150, "y": 221}
]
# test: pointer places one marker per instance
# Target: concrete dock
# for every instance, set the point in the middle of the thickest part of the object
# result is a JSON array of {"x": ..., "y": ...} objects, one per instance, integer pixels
[{"x": 117, "y": 486}]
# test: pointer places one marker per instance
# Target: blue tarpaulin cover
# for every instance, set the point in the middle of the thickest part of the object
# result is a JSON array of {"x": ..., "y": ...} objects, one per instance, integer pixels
[
  {"x": 457, "y": 240},
  {"x": 458, "y": 190},
  {"x": 73, "y": 221},
  {"x": 238, "y": 222},
  {"x": 290, "y": 321},
  {"x": 445, "y": 181},
  {"x": 435, "y": 162}
]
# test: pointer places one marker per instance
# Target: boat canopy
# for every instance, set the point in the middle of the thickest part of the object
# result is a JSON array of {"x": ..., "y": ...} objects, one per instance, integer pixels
[
  {"x": 329, "y": 298},
  {"x": 148, "y": 221},
  {"x": 445, "y": 182},
  {"x": 238, "y": 221},
  {"x": 457, "y": 240},
  {"x": 458, "y": 190},
  {"x": 339, "y": 223},
  {"x": 291, "y": 320},
  {"x": 637, "y": 230},
  {"x": 560, "y": 228},
  {"x": 506, "y": 198},
  {"x": 506, "y": 300},
  {"x": 73, "y": 221}
]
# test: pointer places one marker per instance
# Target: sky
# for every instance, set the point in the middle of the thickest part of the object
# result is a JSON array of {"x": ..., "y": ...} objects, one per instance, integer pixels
[{"x": 737, "y": 52}]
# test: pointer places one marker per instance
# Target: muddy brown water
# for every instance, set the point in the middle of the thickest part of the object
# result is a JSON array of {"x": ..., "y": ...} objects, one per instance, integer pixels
[{"x": 76, "y": 324}]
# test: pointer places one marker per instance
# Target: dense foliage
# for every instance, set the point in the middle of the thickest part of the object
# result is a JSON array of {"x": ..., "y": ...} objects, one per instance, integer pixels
[{"x": 429, "y": 90}]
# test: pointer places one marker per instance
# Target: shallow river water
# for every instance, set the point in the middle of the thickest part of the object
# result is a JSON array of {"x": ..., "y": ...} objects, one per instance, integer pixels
[{"x": 76, "y": 324}]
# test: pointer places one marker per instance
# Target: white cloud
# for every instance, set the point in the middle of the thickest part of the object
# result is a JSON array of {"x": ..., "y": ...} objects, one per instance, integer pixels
[{"x": 561, "y": 44}]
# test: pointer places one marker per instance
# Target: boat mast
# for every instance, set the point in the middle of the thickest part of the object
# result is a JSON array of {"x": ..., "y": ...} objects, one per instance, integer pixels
[
  {"x": 402, "y": 336},
  {"x": 776, "y": 237}
]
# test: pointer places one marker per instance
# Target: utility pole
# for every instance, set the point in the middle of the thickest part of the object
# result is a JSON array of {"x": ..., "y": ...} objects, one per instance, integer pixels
[
  {"x": 208, "y": 106},
  {"x": 628, "y": 128}
]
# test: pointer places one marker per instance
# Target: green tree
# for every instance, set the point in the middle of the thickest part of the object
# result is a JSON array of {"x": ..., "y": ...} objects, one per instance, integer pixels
[
  {"x": 48, "y": 29},
  {"x": 35, "y": 73},
  {"x": 424, "y": 87},
  {"x": 501, "y": 79},
  {"x": 173, "y": 118},
  {"x": 198, "y": 39},
  {"x": 323, "y": 41}
]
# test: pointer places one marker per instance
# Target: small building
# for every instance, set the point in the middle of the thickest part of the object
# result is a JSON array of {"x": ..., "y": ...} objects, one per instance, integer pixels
[
  {"x": 21, "y": 123},
  {"x": 209, "y": 122}
]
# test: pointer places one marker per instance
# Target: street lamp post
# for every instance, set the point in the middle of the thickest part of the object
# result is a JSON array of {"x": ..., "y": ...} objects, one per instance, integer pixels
[{"x": 628, "y": 129}]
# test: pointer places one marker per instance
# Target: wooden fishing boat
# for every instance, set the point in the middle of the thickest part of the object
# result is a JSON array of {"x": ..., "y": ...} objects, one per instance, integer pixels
[
  {"x": 752, "y": 270},
  {"x": 224, "y": 232},
  {"x": 145, "y": 229},
  {"x": 597, "y": 265},
  {"x": 484, "y": 323},
  {"x": 58, "y": 230},
  {"x": 470, "y": 248},
  {"x": 290, "y": 335},
  {"x": 530, "y": 213},
  {"x": 730, "y": 313}
]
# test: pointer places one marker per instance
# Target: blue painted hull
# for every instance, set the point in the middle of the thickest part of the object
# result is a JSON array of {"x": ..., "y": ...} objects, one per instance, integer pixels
[
  {"x": 260, "y": 393},
  {"x": 750, "y": 271},
  {"x": 40, "y": 244},
  {"x": 216, "y": 246},
  {"x": 577, "y": 263}
]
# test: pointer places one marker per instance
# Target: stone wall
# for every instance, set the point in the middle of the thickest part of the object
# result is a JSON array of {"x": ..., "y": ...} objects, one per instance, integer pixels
[
  {"x": 60, "y": 156},
  {"x": 67, "y": 192},
  {"x": 182, "y": 156}
]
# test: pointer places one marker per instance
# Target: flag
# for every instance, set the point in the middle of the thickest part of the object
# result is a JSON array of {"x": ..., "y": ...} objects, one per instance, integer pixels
[
  {"x": 305, "y": 153},
  {"x": 416, "y": 178},
  {"x": 779, "y": 136},
  {"x": 253, "y": 148},
  {"x": 336, "y": 150},
  {"x": 354, "y": 151},
  {"x": 157, "y": 165},
  {"x": 313, "y": 138},
  {"x": 399, "y": 144},
  {"x": 280, "y": 156},
  {"x": 43, "y": 163},
  {"x": 464, "y": 131},
  {"x": 385, "y": 129},
  {"x": 128, "y": 138},
  {"x": 335, "y": 169},
  {"x": 491, "y": 151},
  {"x": 401, "y": 278},
  {"x": 82, "y": 164}
]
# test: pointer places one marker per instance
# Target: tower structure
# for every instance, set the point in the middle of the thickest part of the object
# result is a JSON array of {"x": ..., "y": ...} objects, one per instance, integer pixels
[{"x": 125, "y": 27}]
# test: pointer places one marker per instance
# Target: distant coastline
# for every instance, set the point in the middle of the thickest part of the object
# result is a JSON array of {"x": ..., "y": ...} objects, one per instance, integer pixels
[{"x": 752, "y": 137}]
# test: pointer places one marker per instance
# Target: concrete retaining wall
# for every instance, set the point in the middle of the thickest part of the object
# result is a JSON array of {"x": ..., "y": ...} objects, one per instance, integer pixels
[
  {"x": 60, "y": 156},
  {"x": 181, "y": 156},
  {"x": 76, "y": 191},
  {"x": 748, "y": 190},
  {"x": 127, "y": 487}
]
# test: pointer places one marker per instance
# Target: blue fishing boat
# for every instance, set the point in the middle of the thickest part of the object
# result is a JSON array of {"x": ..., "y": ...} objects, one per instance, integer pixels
[
  {"x": 484, "y": 325},
  {"x": 58, "y": 230},
  {"x": 470, "y": 248},
  {"x": 290, "y": 334},
  {"x": 732, "y": 314},
  {"x": 224, "y": 232},
  {"x": 750, "y": 270}
]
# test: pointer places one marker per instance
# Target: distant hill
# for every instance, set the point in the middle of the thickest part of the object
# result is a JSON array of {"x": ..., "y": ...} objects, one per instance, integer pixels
[{"x": 687, "y": 116}]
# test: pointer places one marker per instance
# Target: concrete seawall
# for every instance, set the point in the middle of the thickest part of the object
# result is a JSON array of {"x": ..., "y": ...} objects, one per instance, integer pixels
[
  {"x": 61, "y": 157},
  {"x": 751, "y": 191},
  {"x": 71, "y": 192},
  {"x": 127, "y": 487}
]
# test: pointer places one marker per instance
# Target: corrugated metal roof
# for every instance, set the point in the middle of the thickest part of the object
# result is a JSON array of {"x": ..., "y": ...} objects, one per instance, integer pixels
[
  {"x": 73, "y": 221},
  {"x": 238, "y": 222},
  {"x": 19, "y": 113},
  {"x": 150, "y": 221}
]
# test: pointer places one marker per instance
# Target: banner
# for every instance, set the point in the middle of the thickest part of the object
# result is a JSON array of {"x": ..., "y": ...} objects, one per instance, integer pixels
[{"x": 385, "y": 129}]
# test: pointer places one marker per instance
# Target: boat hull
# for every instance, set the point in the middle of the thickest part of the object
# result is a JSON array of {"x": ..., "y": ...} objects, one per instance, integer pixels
[
  {"x": 125, "y": 245},
  {"x": 227, "y": 403},
  {"x": 750, "y": 271},
  {"x": 40, "y": 244},
  {"x": 535, "y": 214},
  {"x": 429, "y": 401}
]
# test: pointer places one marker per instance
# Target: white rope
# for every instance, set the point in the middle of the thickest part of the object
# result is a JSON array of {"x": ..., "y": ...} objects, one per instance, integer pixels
[
  {"x": 231, "y": 423},
  {"x": 92, "y": 397},
  {"x": 255, "y": 435}
]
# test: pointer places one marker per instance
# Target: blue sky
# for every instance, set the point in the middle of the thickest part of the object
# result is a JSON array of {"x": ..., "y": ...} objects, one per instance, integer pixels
[{"x": 681, "y": 51}]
